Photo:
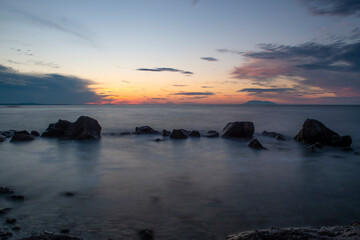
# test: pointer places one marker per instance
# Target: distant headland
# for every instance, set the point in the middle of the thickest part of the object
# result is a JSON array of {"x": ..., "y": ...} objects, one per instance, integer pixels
[{"x": 256, "y": 102}]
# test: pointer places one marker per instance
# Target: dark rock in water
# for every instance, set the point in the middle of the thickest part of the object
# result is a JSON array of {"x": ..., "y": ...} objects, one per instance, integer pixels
[
  {"x": 166, "y": 133},
  {"x": 313, "y": 131},
  {"x": 20, "y": 136},
  {"x": 2, "y": 138},
  {"x": 16, "y": 228},
  {"x": 347, "y": 149},
  {"x": 4, "y": 210},
  {"x": 178, "y": 134},
  {"x": 194, "y": 133},
  {"x": 211, "y": 134},
  {"x": 255, "y": 144},
  {"x": 35, "y": 133},
  {"x": 84, "y": 128},
  {"x": 49, "y": 236},
  {"x": 57, "y": 130},
  {"x": 145, "y": 130},
  {"x": 314, "y": 146},
  {"x": 10, "y": 221},
  {"x": 5, "y": 190},
  {"x": 68, "y": 194},
  {"x": 65, "y": 231},
  {"x": 146, "y": 234},
  {"x": 8, "y": 134},
  {"x": 238, "y": 130},
  {"x": 158, "y": 140},
  {"x": 16, "y": 198},
  {"x": 356, "y": 153},
  {"x": 125, "y": 133},
  {"x": 5, "y": 235},
  {"x": 275, "y": 135},
  {"x": 351, "y": 232}
]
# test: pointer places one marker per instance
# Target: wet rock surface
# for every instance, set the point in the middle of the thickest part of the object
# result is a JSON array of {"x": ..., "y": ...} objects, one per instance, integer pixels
[
  {"x": 351, "y": 232},
  {"x": 178, "y": 134},
  {"x": 20, "y": 136},
  {"x": 166, "y": 133},
  {"x": 314, "y": 131},
  {"x": 145, "y": 130},
  {"x": 56, "y": 130},
  {"x": 212, "y": 134},
  {"x": 146, "y": 234},
  {"x": 238, "y": 130},
  {"x": 194, "y": 133},
  {"x": 255, "y": 144}
]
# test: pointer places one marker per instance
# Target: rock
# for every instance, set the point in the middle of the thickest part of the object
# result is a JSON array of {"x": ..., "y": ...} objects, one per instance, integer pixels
[
  {"x": 125, "y": 133},
  {"x": 84, "y": 128},
  {"x": 211, "y": 134},
  {"x": 16, "y": 228},
  {"x": 166, "y": 133},
  {"x": 20, "y": 136},
  {"x": 5, "y": 190},
  {"x": 5, "y": 235},
  {"x": 57, "y": 130},
  {"x": 275, "y": 135},
  {"x": 2, "y": 138},
  {"x": 65, "y": 231},
  {"x": 10, "y": 221},
  {"x": 178, "y": 134},
  {"x": 16, "y": 198},
  {"x": 69, "y": 194},
  {"x": 194, "y": 133},
  {"x": 50, "y": 236},
  {"x": 238, "y": 130},
  {"x": 146, "y": 234},
  {"x": 157, "y": 140},
  {"x": 35, "y": 133},
  {"x": 255, "y": 144},
  {"x": 145, "y": 130},
  {"x": 313, "y": 131},
  {"x": 351, "y": 232},
  {"x": 4, "y": 210},
  {"x": 348, "y": 149},
  {"x": 8, "y": 134},
  {"x": 315, "y": 145}
]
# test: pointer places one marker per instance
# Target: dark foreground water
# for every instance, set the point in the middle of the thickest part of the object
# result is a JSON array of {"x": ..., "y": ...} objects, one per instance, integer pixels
[{"x": 182, "y": 189}]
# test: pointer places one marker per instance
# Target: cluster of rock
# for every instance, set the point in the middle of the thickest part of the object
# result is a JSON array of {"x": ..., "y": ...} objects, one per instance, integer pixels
[{"x": 351, "y": 232}]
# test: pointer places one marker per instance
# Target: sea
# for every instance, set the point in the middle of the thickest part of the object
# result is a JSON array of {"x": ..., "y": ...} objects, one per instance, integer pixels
[{"x": 197, "y": 188}]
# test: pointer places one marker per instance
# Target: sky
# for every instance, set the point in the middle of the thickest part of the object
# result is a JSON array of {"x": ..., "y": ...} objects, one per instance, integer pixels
[{"x": 179, "y": 51}]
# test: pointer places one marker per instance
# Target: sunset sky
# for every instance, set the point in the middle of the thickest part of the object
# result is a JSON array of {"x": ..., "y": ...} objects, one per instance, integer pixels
[{"x": 180, "y": 51}]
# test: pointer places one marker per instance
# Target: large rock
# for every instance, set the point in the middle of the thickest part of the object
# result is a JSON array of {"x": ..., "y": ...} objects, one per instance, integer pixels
[
  {"x": 239, "y": 130},
  {"x": 178, "y": 134},
  {"x": 57, "y": 130},
  {"x": 145, "y": 130},
  {"x": 22, "y": 136},
  {"x": 84, "y": 128},
  {"x": 314, "y": 131},
  {"x": 351, "y": 232}
]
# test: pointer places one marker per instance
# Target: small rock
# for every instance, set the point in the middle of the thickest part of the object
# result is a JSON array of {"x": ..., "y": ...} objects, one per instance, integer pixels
[
  {"x": 356, "y": 153},
  {"x": 194, "y": 133},
  {"x": 65, "y": 231},
  {"x": 158, "y": 140},
  {"x": 5, "y": 190},
  {"x": 69, "y": 194},
  {"x": 178, "y": 134},
  {"x": 347, "y": 149},
  {"x": 16, "y": 228},
  {"x": 166, "y": 133},
  {"x": 125, "y": 133},
  {"x": 145, "y": 130},
  {"x": 22, "y": 136},
  {"x": 10, "y": 221},
  {"x": 2, "y": 138},
  {"x": 146, "y": 234},
  {"x": 17, "y": 198},
  {"x": 8, "y": 134},
  {"x": 4, "y": 210},
  {"x": 35, "y": 133},
  {"x": 211, "y": 134},
  {"x": 314, "y": 146},
  {"x": 255, "y": 144},
  {"x": 5, "y": 235},
  {"x": 275, "y": 135}
]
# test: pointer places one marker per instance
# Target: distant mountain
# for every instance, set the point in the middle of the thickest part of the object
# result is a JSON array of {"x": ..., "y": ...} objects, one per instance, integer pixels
[{"x": 256, "y": 102}]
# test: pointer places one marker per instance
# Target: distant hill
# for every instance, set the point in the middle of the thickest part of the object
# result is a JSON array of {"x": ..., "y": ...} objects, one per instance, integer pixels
[{"x": 256, "y": 102}]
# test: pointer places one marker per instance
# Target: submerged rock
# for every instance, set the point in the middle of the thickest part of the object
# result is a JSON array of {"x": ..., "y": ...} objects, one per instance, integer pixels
[
  {"x": 178, "y": 134},
  {"x": 313, "y": 131},
  {"x": 20, "y": 136},
  {"x": 146, "y": 234},
  {"x": 212, "y": 134},
  {"x": 16, "y": 198},
  {"x": 56, "y": 130},
  {"x": 49, "y": 236},
  {"x": 255, "y": 144},
  {"x": 351, "y": 232},
  {"x": 145, "y": 130},
  {"x": 5, "y": 235},
  {"x": 275, "y": 135},
  {"x": 238, "y": 130},
  {"x": 315, "y": 146},
  {"x": 10, "y": 221},
  {"x": 5, "y": 190}
]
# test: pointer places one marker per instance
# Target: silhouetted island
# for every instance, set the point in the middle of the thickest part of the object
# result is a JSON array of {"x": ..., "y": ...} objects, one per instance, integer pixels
[{"x": 256, "y": 102}]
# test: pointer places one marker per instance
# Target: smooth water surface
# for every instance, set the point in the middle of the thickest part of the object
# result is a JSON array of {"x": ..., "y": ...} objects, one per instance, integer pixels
[{"x": 182, "y": 189}]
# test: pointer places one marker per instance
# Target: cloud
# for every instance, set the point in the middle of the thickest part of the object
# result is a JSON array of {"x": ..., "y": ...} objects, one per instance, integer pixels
[
  {"x": 47, "y": 23},
  {"x": 194, "y": 2},
  {"x": 194, "y": 93},
  {"x": 159, "y": 99},
  {"x": 44, "y": 64},
  {"x": 210, "y": 59},
  {"x": 44, "y": 88},
  {"x": 165, "y": 69},
  {"x": 224, "y": 50},
  {"x": 333, "y": 7},
  {"x": 262, "y": 90},
  {"x": 179, "y": 85},
  {"x": 207, "y": 87}
]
